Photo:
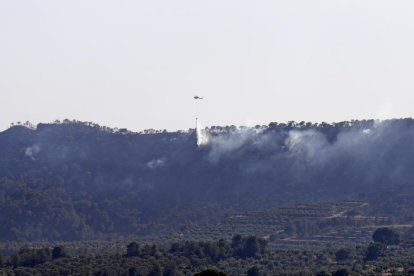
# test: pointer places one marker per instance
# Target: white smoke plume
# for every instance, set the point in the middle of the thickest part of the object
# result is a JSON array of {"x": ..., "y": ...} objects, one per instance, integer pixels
[
  {"x": 307, "y": 146},
  {"x": 202, "y": 135},
  {"x": 313, "y": 146},
  {"x": 32, "y": 151},
  {"x": 309, "y": 141},
  {"x": 223, "y": 145},
  {"x": 156, "y": 163}
]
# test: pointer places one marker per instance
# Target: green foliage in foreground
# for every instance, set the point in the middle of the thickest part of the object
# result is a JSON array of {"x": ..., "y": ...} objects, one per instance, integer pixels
[{"x": 241, "y": 256}]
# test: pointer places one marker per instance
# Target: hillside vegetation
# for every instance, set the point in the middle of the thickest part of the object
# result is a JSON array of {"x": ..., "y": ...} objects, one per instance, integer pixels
[{"x": 77, "y": 181}]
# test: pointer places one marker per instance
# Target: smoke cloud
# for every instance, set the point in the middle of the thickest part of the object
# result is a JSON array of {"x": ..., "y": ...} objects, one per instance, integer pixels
[
  {"x": 156, "y": 163},
  {"x": 356, "y": 156},
  {"x": 32, "y": 151},
  {"x": 226, "y": 144},
  {"x": 370, "y": 154},
  {"x": 202, "y": 135}
]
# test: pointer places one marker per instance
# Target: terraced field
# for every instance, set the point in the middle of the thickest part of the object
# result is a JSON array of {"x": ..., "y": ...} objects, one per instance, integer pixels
[{"x": 302, "y": 226}]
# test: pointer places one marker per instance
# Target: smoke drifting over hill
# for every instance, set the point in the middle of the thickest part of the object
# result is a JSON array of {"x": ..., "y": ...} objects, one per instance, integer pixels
[
  {"x": 31, "y": 151},
  {"x": 375, "y": 153},
  {"x": 364, "y": 152},
  {"x": 148, "y": 175}
]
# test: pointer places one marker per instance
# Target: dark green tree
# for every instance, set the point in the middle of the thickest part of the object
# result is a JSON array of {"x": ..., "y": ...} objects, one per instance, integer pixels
[
  {"x": 155, "y": 271},
  {"x": 15, "y": 260},
  {"x": 386, "y": 236},
  {"x": 58, "y": 252},
  {"x": 236, "y": 241},
  {"x": 253, "y": 271},
  {"x": 343, "y": 254},
  {"x": 170, "y": 269},
  {"x": 253, "y": 246},
  {"x": 374, "y": 251},
  {"x": 248, "y": 247},
  {"x": 43, "y": 255},
  {"x": 154, "y": 250},
  {"x": 210, "y": 272},
  {"x": 132, "y": 271},
  {"x": 133, "y": 249},
  {"x": 341, "y": 272}
]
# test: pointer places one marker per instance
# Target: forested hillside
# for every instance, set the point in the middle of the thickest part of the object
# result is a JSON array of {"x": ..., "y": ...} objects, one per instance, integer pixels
[{"x": 74, "y": 180}]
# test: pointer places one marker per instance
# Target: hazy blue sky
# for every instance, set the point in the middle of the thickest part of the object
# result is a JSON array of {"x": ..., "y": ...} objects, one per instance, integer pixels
[{"x": 137, "y": 64}]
